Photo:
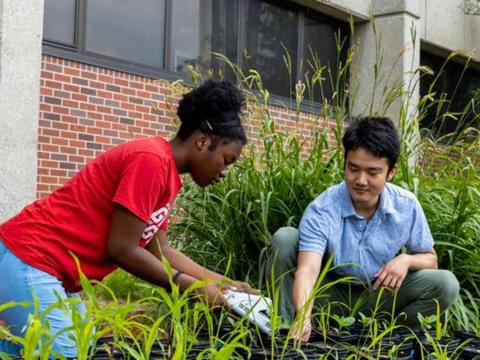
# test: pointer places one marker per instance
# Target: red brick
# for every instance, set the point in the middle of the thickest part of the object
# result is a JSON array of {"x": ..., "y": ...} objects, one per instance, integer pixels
[
  {"x": 48, "y": 179},
  {"x": 60, "y": 110},
  {"x": 76, "y": 144},
  {"x": 105, "y": 94},
  {"x": 103, "y": 140},
  {"x": 141, "y": 108},
  {"x": 128, "y": 106},
  {"x": 62, "y": 78},
  {"x": 104, "y": 109},
  {"x": 70, "y": 104},
  {"x": 103, "y": 124},
  {"x": 53, "y": 84},
  {"x": 120, "y": 97},
  {"x": 97, "y": 85},
  {"x": 45, "y": 107},
  {"x": 59, "y": 141},
  {"x": 58, "y": 173},
  {"x": 46, "y": 91},
  {"x": 94, "y": 115},
  {"x": 60, "y": 126},
  {"x": 69, "y": 150},
  {"x": 48, "y": 164},
  {"x": 89, "y": 75},
  {"x": 110, "y": 118},
  {"x": 46, "y": 74},
  {"x": 52, "y": 67},
  {"x": 70, "y": 71},
  {"x": 76, "y": 159},
  {"x": 120, "y": 82},
  {"x": 68, "y": 134},
  {"x": 78, "y": 128},
  {"x": 79, "y": 97},
  {"x": 49, "y": 132},
  {"x": 49, "y": 148},
  {"x": 85, "y": 152},
  {"x": 143, "y": 94},
  {"x": 85, "y": 106},
  {"x": 105, "y": 78},
  {"x": 71, "y": 88}
]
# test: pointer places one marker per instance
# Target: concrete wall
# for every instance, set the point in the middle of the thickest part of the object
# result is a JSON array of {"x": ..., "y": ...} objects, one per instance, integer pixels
[
  {"x": 445, "y": 25},
  {"x": 21, "y": 24}
]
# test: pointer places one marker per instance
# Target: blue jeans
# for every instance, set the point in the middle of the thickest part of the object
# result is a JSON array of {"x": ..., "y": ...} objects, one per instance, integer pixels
[{"x": 18, "y": 282}]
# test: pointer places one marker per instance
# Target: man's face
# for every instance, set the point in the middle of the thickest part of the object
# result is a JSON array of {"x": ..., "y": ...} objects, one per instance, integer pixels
[
  {"x": 209, "y": 166},
  {"x": 365, "y": 176}
]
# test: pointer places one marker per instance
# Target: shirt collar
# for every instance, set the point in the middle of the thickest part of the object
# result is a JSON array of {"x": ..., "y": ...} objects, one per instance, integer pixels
[
  {"x": 346, "y": 201},
  {"x": 385, "y": 207}
]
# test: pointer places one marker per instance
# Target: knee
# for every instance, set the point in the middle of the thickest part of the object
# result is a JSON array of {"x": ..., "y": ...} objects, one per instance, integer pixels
[
  {"x": 284, "y": 243},
  {"x": 447, "y": 288},
  {"x": 65, "y": 345}
]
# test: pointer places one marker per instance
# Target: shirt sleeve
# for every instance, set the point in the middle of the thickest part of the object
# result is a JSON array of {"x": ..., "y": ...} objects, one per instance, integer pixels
[
  {"x": 313, "y": 231},
  {"x": 141, "y": 183},
  {"x": 420, "y": 238}
]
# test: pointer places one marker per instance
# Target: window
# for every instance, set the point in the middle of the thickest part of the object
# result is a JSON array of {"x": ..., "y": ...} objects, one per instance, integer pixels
[
  {"x": 123, "y": 29},
  {"x": 458, "y": 86},
  {"x": 161, "y": 38},
  {"x": 59, "y": 21},
  {"x": 267, "y": 43}
]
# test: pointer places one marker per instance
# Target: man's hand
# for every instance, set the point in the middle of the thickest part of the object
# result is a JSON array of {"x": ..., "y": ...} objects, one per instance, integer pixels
[
  {"x": 392, "y": 274},
  {"x": 301, "y": 330}
]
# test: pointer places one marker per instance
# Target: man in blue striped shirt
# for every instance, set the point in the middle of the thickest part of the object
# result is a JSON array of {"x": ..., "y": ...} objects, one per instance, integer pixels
[{"x": 362, "y": 223}]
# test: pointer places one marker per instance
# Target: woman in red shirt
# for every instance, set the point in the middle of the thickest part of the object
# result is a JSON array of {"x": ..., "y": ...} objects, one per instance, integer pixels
[{"x": 114, "y": 213}]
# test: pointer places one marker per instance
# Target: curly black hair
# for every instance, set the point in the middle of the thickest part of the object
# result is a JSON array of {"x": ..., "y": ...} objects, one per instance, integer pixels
[
  {"x": 213, "y": 108},
  {"x": 377, "y": 135}
]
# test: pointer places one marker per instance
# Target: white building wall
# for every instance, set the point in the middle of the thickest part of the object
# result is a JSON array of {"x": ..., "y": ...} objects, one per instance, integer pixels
[{"x": 21, "y": 24}]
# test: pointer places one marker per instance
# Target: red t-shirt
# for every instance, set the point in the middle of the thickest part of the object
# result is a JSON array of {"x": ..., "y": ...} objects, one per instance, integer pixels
[{"x": 139, "y": 175}]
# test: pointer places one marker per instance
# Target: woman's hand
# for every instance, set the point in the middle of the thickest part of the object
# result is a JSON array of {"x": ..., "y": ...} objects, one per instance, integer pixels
[{"x": 239, "y": 286}]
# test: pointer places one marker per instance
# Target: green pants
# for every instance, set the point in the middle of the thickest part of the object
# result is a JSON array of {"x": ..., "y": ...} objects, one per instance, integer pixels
[{"x": 417, "y": 294}]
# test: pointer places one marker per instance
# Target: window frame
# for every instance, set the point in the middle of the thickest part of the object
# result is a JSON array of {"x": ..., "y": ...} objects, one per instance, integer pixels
[{"x": 77, "y": 52}]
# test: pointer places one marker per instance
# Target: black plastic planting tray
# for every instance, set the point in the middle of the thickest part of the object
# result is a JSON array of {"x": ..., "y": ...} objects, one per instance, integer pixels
[{"x": 401, "y": 346}]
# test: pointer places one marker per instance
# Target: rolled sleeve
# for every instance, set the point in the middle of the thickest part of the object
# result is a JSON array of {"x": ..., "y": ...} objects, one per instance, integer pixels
[
  {"x": 420, "y": 237},
  {"x": 313, "y": 231}
]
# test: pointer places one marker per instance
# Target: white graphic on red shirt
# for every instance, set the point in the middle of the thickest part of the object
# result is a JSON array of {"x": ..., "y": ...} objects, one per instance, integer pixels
[{"x": 156, "y": 219}]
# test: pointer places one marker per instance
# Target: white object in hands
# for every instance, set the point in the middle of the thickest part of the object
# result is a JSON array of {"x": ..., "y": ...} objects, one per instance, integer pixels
[{"x": 255, "y": 307}]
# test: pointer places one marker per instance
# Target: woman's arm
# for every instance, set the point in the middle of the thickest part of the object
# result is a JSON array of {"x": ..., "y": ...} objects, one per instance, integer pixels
[
  {"x": 123, "y": 249},
  {"x": 179, "y": 261}
]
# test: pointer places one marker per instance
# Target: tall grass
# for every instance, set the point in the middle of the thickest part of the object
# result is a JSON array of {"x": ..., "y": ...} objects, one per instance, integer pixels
[{"x": 283, "y": 171}]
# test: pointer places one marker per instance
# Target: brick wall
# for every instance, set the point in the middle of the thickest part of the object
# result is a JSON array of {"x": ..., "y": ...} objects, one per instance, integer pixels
[{"x": 85, "y": 110}]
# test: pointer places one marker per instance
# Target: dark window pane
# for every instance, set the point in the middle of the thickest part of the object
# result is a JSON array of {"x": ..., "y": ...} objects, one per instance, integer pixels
[
  {"x": 127, "y": 30},
  {"x": 268, "y": 27},
  {"x": 59, "y": 21},
  {"x": 456, "y": 89},
  {"x": 320, "y": 51},
  {"x": 198, "y": 30}
]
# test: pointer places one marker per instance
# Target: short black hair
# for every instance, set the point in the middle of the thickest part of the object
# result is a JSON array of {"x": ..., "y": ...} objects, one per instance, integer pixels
[
  {"x": 377, "y": 135},
  {"x": 214, "y": 108}
]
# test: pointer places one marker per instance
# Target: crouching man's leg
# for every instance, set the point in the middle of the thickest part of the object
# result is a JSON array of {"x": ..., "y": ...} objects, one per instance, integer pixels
[
  {"x": 419, "y": 293},
  {"x": 280, "y": 270}
]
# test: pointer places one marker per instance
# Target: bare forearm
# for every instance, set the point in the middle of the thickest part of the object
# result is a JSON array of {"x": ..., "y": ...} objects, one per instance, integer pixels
[
  {"x": 422, "y": 261},
  {"x": 143, "y": 264},
  {"x": 180, "y": 261},
  {"x": 303, "y": 285}
]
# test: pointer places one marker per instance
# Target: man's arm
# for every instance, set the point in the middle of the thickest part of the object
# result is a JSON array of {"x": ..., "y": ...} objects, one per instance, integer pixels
[
  {"x": 308, "y": 269},
  {"x": 393, "y": 273}
]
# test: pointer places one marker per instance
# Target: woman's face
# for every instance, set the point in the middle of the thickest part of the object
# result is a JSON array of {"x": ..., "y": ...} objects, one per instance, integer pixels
[{"x": 208, "y": 166}]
